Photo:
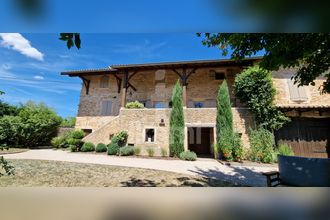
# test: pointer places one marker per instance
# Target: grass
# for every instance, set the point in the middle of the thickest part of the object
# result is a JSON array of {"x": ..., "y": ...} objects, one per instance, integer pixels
[
  {"x": 12, "y": 151},
  {"x": 65, "y": 174}
]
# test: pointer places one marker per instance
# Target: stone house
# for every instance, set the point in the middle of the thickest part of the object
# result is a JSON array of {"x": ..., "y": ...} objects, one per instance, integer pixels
[{"x": 105, "y": 93}]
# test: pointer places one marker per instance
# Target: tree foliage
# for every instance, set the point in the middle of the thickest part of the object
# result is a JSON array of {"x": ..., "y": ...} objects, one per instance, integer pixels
[
  {"x": 69, "y": 122},
  {"x": 254, "y": 86},
  {"x": 72, "y": 39},
  {"x": 228, "y": 144},
  {"x": 35, "y": 125},
  {"x": 177, "y": 122},
  {"x": 309, "y": 52}
]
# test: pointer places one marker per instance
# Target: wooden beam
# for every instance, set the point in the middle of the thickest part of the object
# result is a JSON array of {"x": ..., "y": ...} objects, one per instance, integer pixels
[
  {"x": 175, "y": 71},
  {"x": 191, "y": 72},
  {"x": 119, "y": 80},
  {"x": 133, "y": 74},
  {"x": 87, "y": 83}
]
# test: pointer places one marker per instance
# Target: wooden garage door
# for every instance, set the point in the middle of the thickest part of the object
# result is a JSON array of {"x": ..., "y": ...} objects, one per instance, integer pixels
[{"x": 308, "y": 137}]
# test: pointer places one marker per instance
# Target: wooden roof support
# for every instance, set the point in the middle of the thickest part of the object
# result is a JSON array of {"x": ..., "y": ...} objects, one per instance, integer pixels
[
  {"x": 184, "y": 76},
  {"x": 87, "y": 83},
  {"x": 119, "y": 80}
]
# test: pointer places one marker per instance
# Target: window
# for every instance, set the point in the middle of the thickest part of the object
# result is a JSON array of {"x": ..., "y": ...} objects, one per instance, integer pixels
[
  {"x": 106, "y": 108},
  {"x": 219, "y": 76},
  {"x": 297, "y": 94},
  {"x": 104, "y": 82},
  {"x": 150, "y": 135},
  {"x": 160, "y": 105}
]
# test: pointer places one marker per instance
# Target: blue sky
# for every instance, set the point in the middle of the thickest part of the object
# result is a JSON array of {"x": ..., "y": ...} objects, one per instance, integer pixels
[{"x": 32, "y": 71}]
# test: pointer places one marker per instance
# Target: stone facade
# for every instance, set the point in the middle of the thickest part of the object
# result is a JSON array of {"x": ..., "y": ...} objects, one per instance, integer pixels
[{"x": 154, "y": 89}]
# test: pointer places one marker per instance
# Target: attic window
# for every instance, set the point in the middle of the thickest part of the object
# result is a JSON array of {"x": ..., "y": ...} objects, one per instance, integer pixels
[
  {"x": 104, "y": 82},
  {"x": 219, "y": 76}
]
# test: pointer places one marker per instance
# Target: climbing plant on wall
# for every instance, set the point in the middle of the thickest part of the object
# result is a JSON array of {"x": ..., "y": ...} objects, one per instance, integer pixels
[{"x": 254, "y": 87}]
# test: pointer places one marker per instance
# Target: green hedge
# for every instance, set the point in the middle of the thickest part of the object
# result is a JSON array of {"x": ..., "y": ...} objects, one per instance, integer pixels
[
  {"x": 87, "y": 147},
  {"x": 101, "y": 148},
  {"x": 188, "y": 155}
]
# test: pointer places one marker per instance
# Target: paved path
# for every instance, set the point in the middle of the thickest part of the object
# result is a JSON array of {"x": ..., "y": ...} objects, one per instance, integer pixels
[{"x": 247, "y": 175}]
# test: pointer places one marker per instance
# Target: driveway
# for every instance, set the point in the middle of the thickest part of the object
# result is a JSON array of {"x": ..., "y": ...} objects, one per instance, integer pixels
[{"x": 239, "y": 174}]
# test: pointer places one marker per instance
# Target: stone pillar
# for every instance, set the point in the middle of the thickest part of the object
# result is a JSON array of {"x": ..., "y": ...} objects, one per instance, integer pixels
[
  {"x": 185, "y": 143},
  {"x": 123, "y": 98}
]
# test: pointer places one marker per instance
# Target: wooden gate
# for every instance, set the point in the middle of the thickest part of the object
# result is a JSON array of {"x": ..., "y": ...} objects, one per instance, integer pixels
[{"x": 308, "y": 137}]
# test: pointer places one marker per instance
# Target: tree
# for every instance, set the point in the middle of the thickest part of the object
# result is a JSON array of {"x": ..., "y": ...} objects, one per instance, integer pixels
[
  {"x": 254, "y": 86},
  {"x": 177, "y": 122},
  {"x": 69, "y": 122},
  {"x": 224, "y": 123},
  {"x": 309, "y": 52}
]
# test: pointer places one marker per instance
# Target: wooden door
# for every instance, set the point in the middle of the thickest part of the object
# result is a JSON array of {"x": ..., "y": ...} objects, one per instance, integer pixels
[
  {"x": 308, "y": 137},
  {"x": 200, "y": 140}
]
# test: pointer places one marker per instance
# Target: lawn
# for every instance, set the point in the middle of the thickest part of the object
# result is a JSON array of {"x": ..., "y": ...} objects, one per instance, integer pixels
[{"x": 66, "y": 174}]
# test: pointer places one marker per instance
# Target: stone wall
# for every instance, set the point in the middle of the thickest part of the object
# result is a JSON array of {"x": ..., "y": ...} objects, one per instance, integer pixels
[
  {"x": 90, "y": 122},
  {"x": 135, "y": 121}
]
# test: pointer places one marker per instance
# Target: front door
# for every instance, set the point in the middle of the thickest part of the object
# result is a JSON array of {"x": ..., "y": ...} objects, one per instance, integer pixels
[{"x": 199, "y": 140}]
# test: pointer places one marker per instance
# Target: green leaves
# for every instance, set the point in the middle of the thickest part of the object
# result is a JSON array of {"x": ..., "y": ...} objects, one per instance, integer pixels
[
  {"x": 254, "y": 86},
  {"x": 309, "y": 52},
  {"x": 72, "y": 39},
  {"x": 177, "y": 122}
]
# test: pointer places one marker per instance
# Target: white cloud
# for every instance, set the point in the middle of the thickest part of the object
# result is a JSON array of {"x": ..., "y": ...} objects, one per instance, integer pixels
[
  {"x": 39, "y": 77},
  {"x": 17, "y": 42}
]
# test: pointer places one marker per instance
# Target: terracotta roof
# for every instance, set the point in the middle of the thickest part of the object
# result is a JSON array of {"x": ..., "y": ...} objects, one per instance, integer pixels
[
  {"x": 302, "y": 106},
  {"x": 163, "y": 65}
]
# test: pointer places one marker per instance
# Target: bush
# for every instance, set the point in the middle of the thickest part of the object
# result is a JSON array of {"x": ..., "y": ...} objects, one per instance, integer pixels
[
  {"x": 163, "y": 152},
  {"x": 74, "y": 148},
  {"x": 150, "y": 151},
  {"x": 137, "y": 151},
  {"x": 6, "y": 168},
  {"x": 87, "y": 147},
  {"x": 68, "y": 122},
  {"x": 120, "y": 138},
  {"x": 77, "y": 134},
  {"x": 285, "y": 150},
  {"x": 262, "y": 142},
  {"x": 177, "y": 122},
  {"x": 136, "y": 104},
  {"x": 237, "y": 151},
  {"x": 113, "y": 148},
  {"x": 126, "y": 151},
  {"x": 188, "y": 155},
  {"x": 101, "y": 148},
  {"x": 58, "y": 142}
]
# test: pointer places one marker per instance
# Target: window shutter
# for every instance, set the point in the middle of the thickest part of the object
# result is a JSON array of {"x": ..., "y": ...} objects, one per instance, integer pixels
[
  {"x": 106, "y": 108},
  {"x": 297, "y": 94},
  {"x": 104, "y": 82}
]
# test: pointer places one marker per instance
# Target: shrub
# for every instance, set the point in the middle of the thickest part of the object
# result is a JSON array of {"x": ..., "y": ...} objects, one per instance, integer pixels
[
  {"x": 113, "y": 148},
  {"x": 188, "y": 155},
  {"x": 121, "y": 138},
  {"x": 101, "y": 148},
  {"x": 68, "y": 122},
  {"x": 6, "y": 167},
  {"x": 237, "y": 151},
  {"x": 177, "y": 122},
  {"x": 285, "y": 150},
  {"x": 126, "y": 151},
  {"x": 58, "y": 142},
  {"x": 136, "y": 104},
  {"x": 262, "y": 142},
  {"x": 163, "y": 152},
  {"x": 137, "y": 151},
  {"x": 87, "y": 147},
  {"x": 254, "y": 86},
  {"x": 74, "y": 148},
  {"x": 150, "y": 151},
  {"x": 77, "y": 134}
]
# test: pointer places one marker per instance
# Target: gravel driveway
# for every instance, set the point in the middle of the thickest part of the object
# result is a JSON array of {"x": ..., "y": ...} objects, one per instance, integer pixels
[{"x": 237, "y": 174}]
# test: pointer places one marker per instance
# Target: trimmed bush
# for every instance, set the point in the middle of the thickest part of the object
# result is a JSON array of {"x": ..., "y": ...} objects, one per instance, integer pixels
[
  {"x": 74, "y": 148},
  {"x": 285, "y": 150},
  {"x": 87, "y": 147},
  {"x": 163, "y": 152},
  {"x": 262, "y": 146},
  {"x": 101, "y": 148},
  {"x": 150, "y": 151},
  {"x": 113, "y": 148},
  {"x": 126, "y": 151},
  {"x": 134, "y": 105},
  {"x": 120, "y": 138},
  {"x": 188, "y": 155},
  {"x": 77, "y": 134},
  {"x": 177, "y": 122},
  {"x": 137, "y": 151}
]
